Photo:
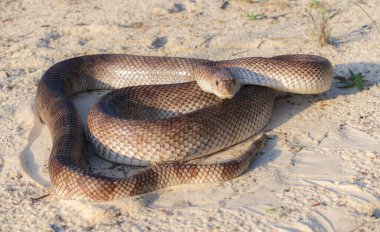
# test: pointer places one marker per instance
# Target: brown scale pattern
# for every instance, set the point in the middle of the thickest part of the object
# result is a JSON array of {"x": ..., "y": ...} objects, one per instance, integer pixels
[
  {"x": 197, "y": 130},
  {"x": 197, "y": 124}
]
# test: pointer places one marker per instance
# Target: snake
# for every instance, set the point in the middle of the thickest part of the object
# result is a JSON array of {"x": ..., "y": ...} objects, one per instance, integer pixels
[{"x": 164, "y": 112}]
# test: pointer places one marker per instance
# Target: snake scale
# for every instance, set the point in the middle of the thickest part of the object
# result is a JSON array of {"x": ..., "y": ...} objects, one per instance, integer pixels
[{"x": 171, "y": 110}]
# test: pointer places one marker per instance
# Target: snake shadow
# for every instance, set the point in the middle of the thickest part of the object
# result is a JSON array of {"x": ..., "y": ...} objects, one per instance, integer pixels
[{"x": 289, "y": 105}]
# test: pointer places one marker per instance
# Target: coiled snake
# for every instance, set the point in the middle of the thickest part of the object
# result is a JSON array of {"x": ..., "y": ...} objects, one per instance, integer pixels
[{"x": 162, "y": 121}]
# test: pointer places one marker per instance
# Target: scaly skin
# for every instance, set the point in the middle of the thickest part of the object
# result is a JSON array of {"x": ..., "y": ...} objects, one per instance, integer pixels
[{"x": 215, "y": 125}]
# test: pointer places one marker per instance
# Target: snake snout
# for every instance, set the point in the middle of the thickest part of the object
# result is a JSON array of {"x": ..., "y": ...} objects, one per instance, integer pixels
[
  {"x": 222, "y": 83},
  {"x": 227, "y": 88},
  {"x": 226, "y": 84}
]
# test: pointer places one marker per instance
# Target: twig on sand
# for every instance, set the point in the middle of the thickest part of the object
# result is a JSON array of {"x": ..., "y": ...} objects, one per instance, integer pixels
[
  {"x": 34, "y": 200},
  {"x": 369, "y": 16}
]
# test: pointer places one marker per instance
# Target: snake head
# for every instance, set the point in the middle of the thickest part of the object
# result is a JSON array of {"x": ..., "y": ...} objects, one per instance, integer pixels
[{"x": 220, "y": 82}]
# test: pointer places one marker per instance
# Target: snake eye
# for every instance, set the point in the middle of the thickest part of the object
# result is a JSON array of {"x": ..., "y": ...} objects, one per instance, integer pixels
[{"x": 217, "y": 82}]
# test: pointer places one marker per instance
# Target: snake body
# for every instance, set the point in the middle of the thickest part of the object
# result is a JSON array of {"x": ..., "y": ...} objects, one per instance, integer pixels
[{"x": 191, "y": 122}]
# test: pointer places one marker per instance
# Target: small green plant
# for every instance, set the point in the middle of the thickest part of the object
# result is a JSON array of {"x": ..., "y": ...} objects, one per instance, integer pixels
[
  {"x": 354, "y": 80},
  {"x": 255, "y": 16},
  {"x": 314, "y": 3},
  {"x": 319, "y": 28}
]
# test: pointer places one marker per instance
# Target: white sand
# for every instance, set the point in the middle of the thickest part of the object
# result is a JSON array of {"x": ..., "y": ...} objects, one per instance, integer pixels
[{"x": 320, "y": 172}]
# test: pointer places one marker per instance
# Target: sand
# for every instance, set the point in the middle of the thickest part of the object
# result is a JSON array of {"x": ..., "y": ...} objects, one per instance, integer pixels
[{"x": 318, "y": 172}]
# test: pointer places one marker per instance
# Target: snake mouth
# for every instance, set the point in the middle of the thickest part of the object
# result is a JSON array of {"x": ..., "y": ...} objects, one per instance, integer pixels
[
  {"x": 224, "y": 96},
  {"x": 220, "y": 94}
]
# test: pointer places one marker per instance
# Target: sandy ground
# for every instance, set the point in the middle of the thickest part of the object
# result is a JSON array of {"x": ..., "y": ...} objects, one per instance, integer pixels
[{"x": 319, "y": 172}]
